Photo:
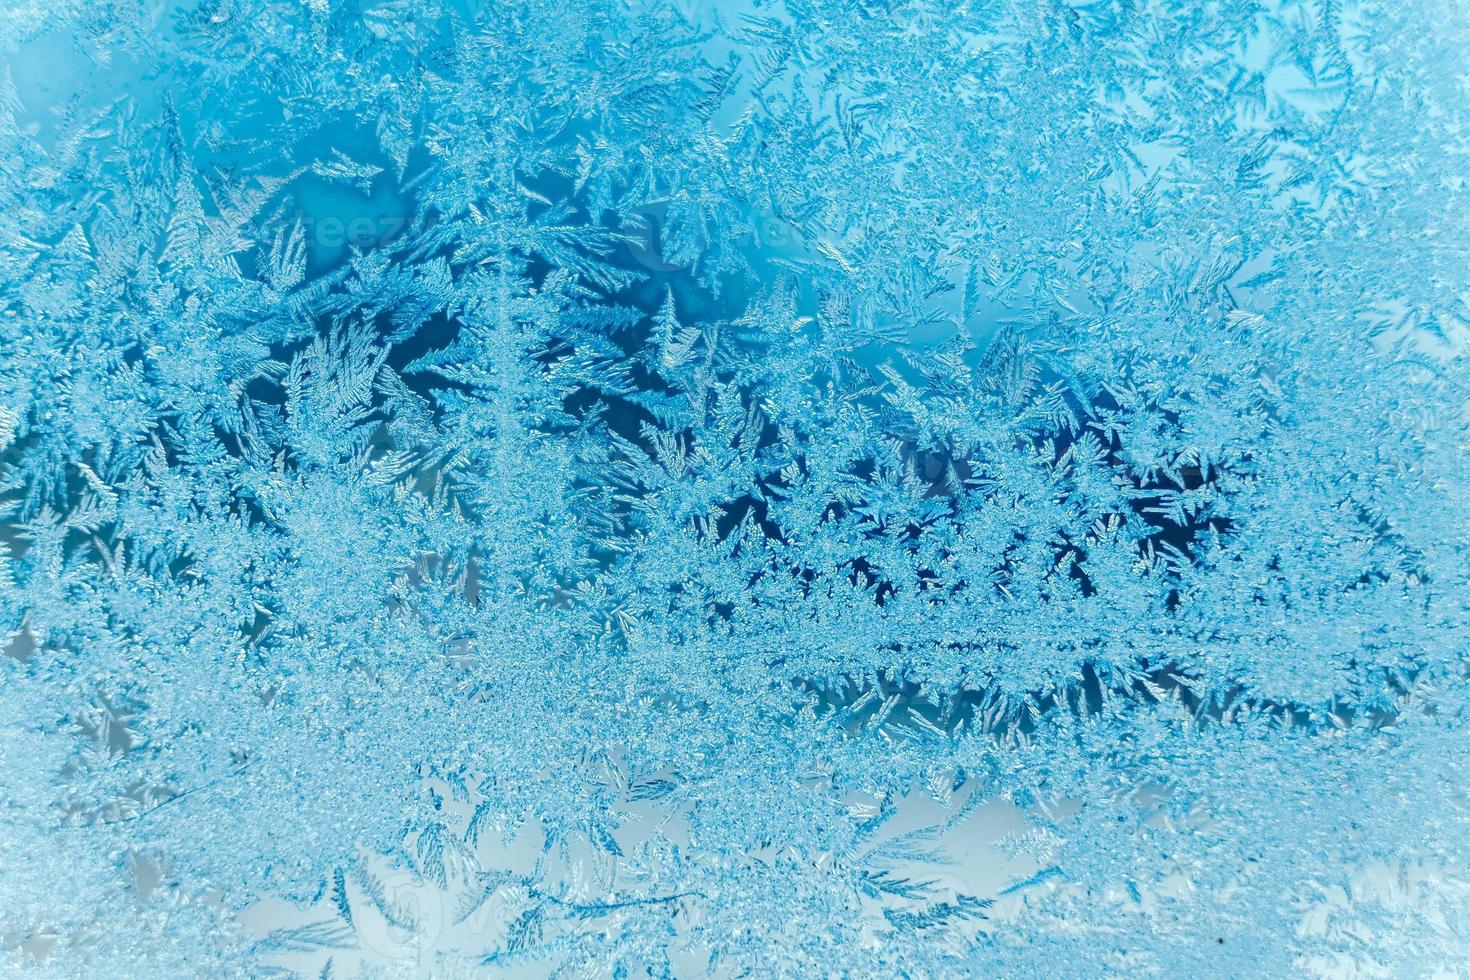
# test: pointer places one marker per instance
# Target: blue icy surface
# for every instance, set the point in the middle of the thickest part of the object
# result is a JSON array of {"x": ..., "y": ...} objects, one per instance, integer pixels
[{"x": 671, "y": 489}]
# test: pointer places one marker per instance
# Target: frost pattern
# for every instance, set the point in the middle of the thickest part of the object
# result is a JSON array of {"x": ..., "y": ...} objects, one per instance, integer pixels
[{"x": 631, "y": 488}]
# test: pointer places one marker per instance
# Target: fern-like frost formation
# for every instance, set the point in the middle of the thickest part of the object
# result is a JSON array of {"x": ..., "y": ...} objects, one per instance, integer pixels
[{"x": 666, "y": 488}]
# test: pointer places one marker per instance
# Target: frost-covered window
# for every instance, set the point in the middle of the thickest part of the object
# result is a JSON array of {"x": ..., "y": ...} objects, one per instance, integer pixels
[{"x": 687, "y": 488}]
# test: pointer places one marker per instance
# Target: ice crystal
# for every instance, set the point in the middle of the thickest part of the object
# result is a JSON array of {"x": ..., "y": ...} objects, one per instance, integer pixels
[{"x": 659, "y": 488}]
